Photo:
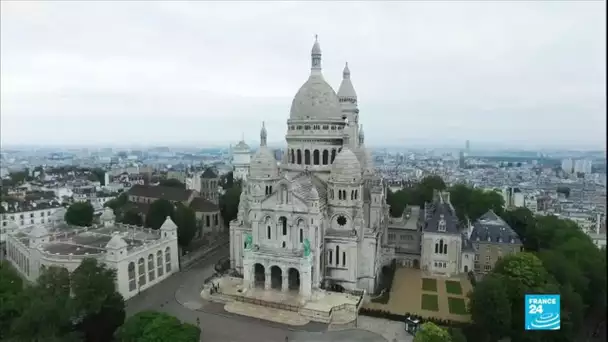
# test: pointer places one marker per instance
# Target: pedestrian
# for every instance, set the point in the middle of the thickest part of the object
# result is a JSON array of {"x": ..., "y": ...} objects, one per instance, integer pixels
[{"x": 198, "y": 321}]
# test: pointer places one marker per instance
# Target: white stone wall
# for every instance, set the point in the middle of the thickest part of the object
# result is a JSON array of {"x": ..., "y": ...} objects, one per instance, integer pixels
[
  {"x": 27, "y": 218},
  {"x": 440, "y": 263},
  {"x": 29, "y": 261}
]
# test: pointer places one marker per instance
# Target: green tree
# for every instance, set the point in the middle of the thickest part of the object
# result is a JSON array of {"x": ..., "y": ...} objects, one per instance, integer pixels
[
  {"x": 490, "y": 307},
  {"x": 457, "y": 335},
  {"x": 521, "y": 220},
  {"x": 473, "y": 203},
  {"x": 429, "y": 332},
  {"x": 173, "y": 183},
  {"x": 80, "y": 214},
  {"x": 132, "y": 217},
  {"x": 185, "y": 219},
  {"x": 229, "y": 204},
  {"x": 152, "y": 326},
  {"x": 398, "y": 201},
  {"x": 46, "y": 310},
  {"x": 96, "y": 301},
  {"x": 11, "y": 287},
  {"x": 158, "y": 212},
  {"x": 117, "y": 203},
  {"x": 227, "y": 180}
]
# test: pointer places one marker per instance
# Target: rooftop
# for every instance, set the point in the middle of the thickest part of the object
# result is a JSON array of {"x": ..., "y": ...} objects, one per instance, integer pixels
[{"x": 491, "y": 228}]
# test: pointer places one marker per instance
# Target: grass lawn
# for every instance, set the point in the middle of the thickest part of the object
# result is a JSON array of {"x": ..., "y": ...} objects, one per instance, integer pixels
[
  {"x": 429, "y": 302},
  {"x": 429, "y": 284},
  {"x": 453, "y": 287},
  {"x": 457, "y": 306}
]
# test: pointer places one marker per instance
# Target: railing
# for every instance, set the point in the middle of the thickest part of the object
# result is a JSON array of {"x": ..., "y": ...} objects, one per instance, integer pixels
[{"x": 265, "y": 303}]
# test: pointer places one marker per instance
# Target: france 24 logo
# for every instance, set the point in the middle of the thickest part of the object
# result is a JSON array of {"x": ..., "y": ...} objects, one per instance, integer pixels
[{"x": 542, "y": 312}]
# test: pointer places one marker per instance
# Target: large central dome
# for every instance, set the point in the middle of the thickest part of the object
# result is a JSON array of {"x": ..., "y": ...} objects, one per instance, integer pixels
[{"x": 316, "y": 98}]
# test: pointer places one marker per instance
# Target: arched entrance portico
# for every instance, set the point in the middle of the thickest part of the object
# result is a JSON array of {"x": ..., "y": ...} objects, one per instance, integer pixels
[
  {"x": 276, "y": 277},
  {"x": 294, "y": 279},
  {"x": 259, "y": 275}
]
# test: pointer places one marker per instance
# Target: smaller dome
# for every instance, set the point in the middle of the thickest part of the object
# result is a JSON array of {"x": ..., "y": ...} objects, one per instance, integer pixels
[
  {"x": 39, "y": 231},
  {"x": 346, "y": 167},
  {"x": 116, "y": 242},
  {"x": 242, "y": 147},
  {"x": 263, "y": 164},
  {"x": 347, "y": 90},
  {"x": 168, "y": 224},
  {"x": 315, "y": 99},
  {"x": 107, "y": 215},
  {"x": 314, "y": 194}
]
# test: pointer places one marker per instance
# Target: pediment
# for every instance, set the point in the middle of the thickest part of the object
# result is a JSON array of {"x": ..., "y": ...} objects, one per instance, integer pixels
[{"x": 277, "y": 199}]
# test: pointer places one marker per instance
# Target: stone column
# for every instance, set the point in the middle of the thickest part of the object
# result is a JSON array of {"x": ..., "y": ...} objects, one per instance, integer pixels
[
  {"x": 285, "y": 283},
  {"x": 267, "y": 279},
  {"x": 248, "y": 276}
]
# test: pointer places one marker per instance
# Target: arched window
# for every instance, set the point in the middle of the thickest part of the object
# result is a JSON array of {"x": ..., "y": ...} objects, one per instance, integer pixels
[
  {"x": 344, "y": 259},
  {"x": 141, "y": 272},
  {"x": 301, "y": 235},
  {"x": 151, "y": 268},
  {"x": 299, "y": 153},
  {"x": 445, "y": 249},
  {"x": 293, "y": 156},
  {"x": 337, "y": 255},
  {"x": 307, "y": 157},
  {"x": 168, "y": 260},
  {"x": 131, "y": 272},
  {"x": 283, "y": 244},
  {"x": 283, "y": 221},
  {"x": 356, "y": 194},
  {"x": 352, "y": 195},
  {"x": 315, "y": 156},
  {"x": 207, "y": 220},
  {"x": 268, "y": 235},
  {"x": 436, "y": 248},
  {"x": 159, "y": 263},
  {"x": 333, "y": 155},
  {"x": 325, "y": 157},
  {"x": 330, "y": 256}
]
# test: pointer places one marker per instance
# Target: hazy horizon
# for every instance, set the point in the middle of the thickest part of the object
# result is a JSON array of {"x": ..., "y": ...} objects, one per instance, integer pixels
[{"x": 514, "y": 74}]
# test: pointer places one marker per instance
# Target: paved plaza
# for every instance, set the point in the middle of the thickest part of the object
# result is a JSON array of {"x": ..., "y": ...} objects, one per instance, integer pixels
[{"x": 179, "y": 295}]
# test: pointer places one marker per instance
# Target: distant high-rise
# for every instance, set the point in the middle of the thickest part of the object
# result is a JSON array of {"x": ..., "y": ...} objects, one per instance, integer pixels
[{"x": 467, "y": 146}]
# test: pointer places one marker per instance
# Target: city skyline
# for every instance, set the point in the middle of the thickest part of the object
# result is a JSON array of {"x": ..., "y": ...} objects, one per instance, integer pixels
[{"x": 523, "y": 75}]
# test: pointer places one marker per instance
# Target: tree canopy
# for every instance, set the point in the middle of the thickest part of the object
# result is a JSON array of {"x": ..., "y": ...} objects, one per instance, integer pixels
[
  {"x": 416, "y": 195},
  {"x": 560, "y": 258},
  {"x": 153, "y": 326},
  {"x": 429, "y": 332},
  {"x": 185, "y": 219},
  {"x": 158, "y": 212},
  {"x": 473, "y": 203},
  {"x": 229, "y": 203},
  {"x": 82, "y": 306},
  {"x": 80, "y": 214}
]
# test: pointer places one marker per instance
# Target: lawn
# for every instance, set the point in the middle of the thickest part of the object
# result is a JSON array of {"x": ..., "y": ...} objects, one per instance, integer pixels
[
  {"x": 429, "y": 284},
  {"x": 429, "y": 302},
  {"x": 457, "y": 306},
  {"x": 453, "y": 287}
]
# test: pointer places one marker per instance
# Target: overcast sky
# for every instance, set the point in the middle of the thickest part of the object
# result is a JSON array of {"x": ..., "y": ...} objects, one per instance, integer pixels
[{"x": 525, "y": 74}]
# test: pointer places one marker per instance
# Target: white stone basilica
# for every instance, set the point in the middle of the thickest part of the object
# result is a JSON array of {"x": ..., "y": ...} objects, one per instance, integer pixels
[{"x": 320, "y": 216}]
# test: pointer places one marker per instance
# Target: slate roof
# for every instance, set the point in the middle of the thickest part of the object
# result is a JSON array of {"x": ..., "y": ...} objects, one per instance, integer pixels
[
  {"x": 491, "y": 228},
  {"x": 441, "y": 211},
  {"x": 202, "y": 205},
  {"x": 164, "y": 192},
  {"x": 209, "y": 173}
]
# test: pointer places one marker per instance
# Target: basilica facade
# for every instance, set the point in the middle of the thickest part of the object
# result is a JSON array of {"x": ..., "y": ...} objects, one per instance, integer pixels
[{"x": 318, "y": 218}]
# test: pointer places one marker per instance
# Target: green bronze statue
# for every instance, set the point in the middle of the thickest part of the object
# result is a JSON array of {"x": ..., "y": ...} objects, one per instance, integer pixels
[
  {"x": 248, "y": 241},
  {"x": 306, "y": 245}
]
